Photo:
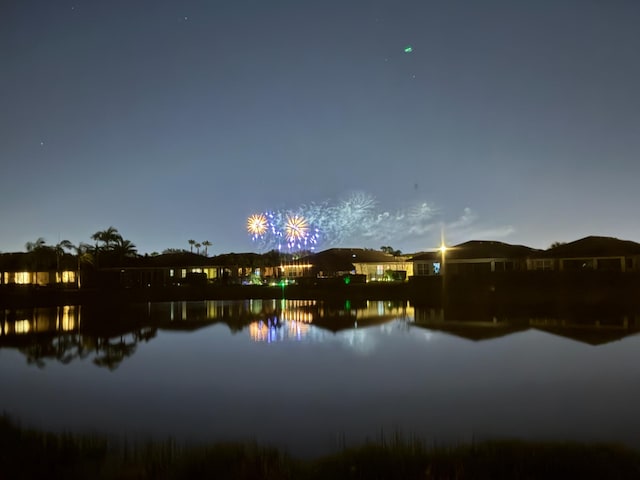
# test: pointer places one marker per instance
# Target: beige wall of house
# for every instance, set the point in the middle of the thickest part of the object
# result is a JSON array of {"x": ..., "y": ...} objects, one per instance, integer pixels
[{"x": 377, "y": 271}]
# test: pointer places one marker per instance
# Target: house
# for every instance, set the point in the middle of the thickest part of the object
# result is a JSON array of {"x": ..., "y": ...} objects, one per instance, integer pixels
[
  {"x": 591, "y": 253},
  {"x": 368, "y": 265},
  {"x": 38, "y": 268},
  {"x": 475, "y": 256},
  {"x": 186, "y": 268}
]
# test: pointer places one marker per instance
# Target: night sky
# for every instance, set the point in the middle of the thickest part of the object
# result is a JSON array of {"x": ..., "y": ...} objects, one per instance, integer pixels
[{"x": 511, "y": 120}]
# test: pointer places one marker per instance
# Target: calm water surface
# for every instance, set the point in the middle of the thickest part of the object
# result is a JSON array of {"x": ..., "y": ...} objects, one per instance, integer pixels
[{"x": 309, "y": 376}]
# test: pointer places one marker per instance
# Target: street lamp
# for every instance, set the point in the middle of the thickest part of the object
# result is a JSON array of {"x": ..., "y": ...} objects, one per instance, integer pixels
[{"x": 443, "y": 250}]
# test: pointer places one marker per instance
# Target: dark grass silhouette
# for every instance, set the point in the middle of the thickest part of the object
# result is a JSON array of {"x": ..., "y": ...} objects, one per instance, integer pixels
[{"x": 30, "y": 454}]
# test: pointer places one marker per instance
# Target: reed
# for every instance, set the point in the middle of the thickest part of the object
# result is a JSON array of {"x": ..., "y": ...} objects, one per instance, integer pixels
[{"x": 27, "y": 453}]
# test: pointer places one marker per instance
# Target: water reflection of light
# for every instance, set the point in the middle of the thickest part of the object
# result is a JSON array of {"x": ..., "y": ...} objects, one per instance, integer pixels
[
  {"x": 298, "y": 316},
  {"x": 21, "y": 326},
  {"x": 63, "y": 318},
  {"x": 255, "y": 306},
  {"x": 358, "y": 339},
  {"x": 265, "y": 331},
  {"x": 299, "y": 330},
  {"x": 428, "y": 336},
  {"x": 68, "y": 318}
]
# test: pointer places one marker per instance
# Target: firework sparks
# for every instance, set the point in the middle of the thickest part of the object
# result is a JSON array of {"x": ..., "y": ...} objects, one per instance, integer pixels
[
  {"x": 296, "y": 229},
  {"x": 355, "y": 216},
  {"x": 257, "y": 225}
]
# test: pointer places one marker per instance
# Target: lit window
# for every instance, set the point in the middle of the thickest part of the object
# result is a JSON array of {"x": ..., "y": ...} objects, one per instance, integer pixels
[
  {"x": 23, "y": 278},
  {"x": 66, "y": 277}
]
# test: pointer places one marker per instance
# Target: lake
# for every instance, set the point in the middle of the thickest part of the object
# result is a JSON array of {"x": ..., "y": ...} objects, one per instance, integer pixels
[{"x": 312, "y": 376}]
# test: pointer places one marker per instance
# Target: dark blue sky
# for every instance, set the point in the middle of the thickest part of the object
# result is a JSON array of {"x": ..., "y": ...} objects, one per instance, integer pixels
[{"x": 170, "y": 120}]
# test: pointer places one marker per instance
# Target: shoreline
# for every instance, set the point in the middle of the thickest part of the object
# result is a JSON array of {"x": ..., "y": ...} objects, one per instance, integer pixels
[{"x": 498, "y": 293}]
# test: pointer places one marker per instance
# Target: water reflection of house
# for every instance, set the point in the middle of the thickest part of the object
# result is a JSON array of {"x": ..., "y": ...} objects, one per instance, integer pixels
[
  {"x": 346, "y": 315},
  {"x": 477, "y": 326},
  {"x": 36, "y": 320},
  {"x": 296, "y": 318},
  {"x": 594, "y": 331}
]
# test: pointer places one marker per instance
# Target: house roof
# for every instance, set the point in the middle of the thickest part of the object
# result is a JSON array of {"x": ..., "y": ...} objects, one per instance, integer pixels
[
  {"x": 14, "y": 261},
  {"x": 591, "y": 335},
  {"x": 594, "y": 246},
  {"x": 481, "y": 249},
  {"x": 177, "y": 259},
  {"x": 32, "y": 261}
]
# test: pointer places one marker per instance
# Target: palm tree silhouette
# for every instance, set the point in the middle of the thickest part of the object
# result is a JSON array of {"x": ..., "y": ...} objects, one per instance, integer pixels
[
  {"x": 124, "y": 248},
  {"x": 206, "y": 244},
  {"x": 107, "y": 237},
  {"x": 38, "y": 251},
  {"x": 59, "y": 249},
  {"x": 84, "y": 257},
  {"x": 33, "y": 246},
  {"x": 191, "y": 244}
]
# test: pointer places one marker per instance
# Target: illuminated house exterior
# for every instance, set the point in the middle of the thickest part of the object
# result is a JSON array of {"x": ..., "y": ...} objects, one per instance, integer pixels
[
  {"x": 370, "y": 265},
  {"x": 37, "y": 269},
  {"x": 189, "y": 269},
  {"x": 473, "y": 257},
  {"x": 45, "y": 268},
  {"x": 480, "y": 256}
]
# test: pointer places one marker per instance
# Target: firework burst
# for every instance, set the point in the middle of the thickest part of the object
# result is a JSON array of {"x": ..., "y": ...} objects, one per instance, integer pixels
[
  {"x": 257, "y": 225},
  {"x": 355, "y": 216},
  {"x": 296, "y": 230}
]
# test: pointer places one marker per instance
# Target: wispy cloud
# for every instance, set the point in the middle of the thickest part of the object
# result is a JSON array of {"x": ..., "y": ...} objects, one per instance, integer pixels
[
  {"x": 358, "y": 220},
  {"x": 469, "y": 227}
]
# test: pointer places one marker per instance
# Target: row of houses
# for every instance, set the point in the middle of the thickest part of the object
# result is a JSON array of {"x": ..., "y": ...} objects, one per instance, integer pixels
[
  {"x": 357, "y": 264},
  {"x": 473, "y": 257},
  {"x": 587, "y": 254}
]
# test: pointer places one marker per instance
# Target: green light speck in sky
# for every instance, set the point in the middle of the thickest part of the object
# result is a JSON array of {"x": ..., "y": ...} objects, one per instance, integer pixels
[{"x": 408, "y": 49}]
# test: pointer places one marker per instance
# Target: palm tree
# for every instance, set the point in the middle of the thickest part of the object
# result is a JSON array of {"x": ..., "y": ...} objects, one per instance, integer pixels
[
  {"x": 198, "y": 245},
  {"x": 59, "y": 249},
  {"x": 125, "y": 248},
  {"x": 191, "y": 244},
  {"x": 206, "y": 244},
  {"x": 390, "y": 250},
  {"x": 37, "y": 250},
  {"x": 84, "y": 257},
  {"x": 107, "y": 237},
  {"x": 168, "y": 251},
  {"x": 33, "y": 246}
]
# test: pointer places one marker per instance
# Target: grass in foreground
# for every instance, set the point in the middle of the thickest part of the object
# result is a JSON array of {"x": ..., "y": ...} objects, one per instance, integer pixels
[{"x": 28, "y": 454}]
